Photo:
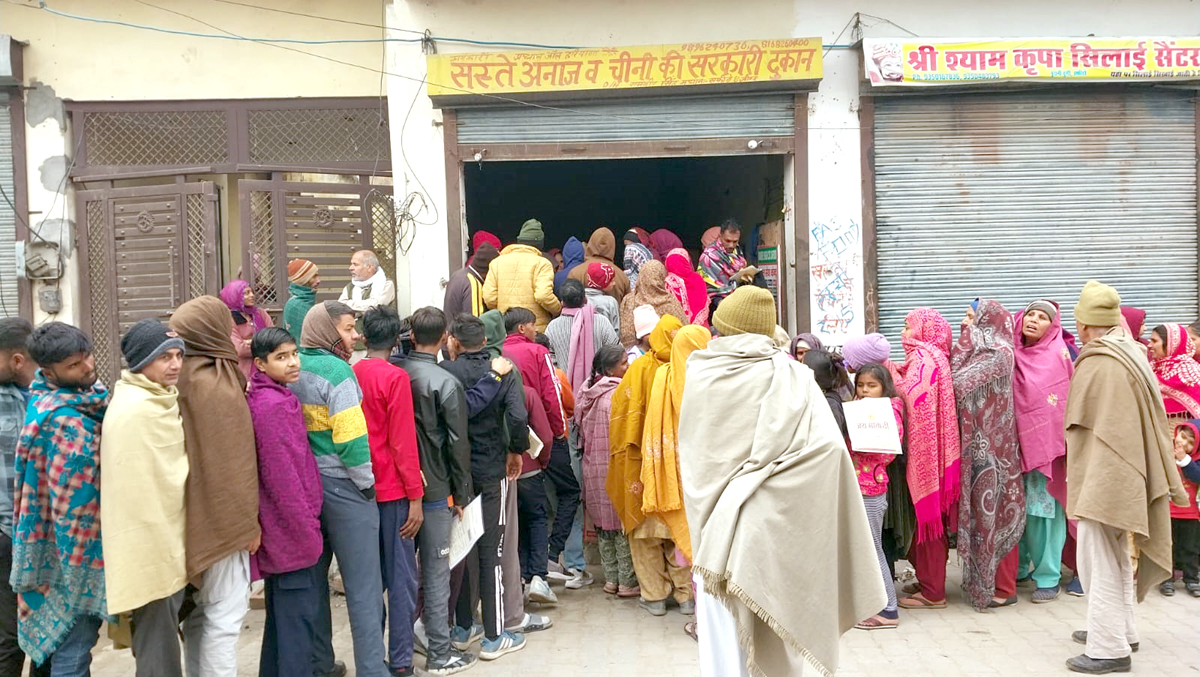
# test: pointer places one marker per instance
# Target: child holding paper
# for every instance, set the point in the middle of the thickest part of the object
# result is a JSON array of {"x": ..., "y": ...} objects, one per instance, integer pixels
[{"x": 874, "y": 380}]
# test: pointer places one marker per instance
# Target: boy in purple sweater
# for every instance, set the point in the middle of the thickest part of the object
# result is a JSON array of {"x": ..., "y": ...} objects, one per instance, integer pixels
[{"x": 289, "y": 507}]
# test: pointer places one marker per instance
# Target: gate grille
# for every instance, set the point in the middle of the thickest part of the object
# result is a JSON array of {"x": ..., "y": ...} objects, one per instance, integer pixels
[
  {"x": 195, "y": 245},
  {"x": 317, "y": 135},
  {"x": 262, "y": 225},
  {"x": 157, "y": 138},
  {"x": 381, "y": 210},
  {"x": 98, "y": 273}
]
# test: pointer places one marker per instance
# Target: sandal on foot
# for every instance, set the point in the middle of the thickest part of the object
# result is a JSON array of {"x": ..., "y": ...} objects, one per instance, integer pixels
[
  {"x": 689, "y": 629},
  {"x": 919, "y": 601},
  {"x": 877, "y": 622},
  {"x": 611, "y": 588}
]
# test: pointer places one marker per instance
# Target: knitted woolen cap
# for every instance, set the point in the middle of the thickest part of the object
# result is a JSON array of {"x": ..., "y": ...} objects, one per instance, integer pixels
[
  {"x": 531, "y": 232},
  {"x": 301, "y": 271},
  {"x": 748, "y": 310},
  {"x": 1099, "y": 305},
  {"x": 145, "y": 341}
]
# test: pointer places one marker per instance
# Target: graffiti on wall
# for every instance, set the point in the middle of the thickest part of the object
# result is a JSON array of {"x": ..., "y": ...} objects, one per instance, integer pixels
[{"x": 834, "y": 262}]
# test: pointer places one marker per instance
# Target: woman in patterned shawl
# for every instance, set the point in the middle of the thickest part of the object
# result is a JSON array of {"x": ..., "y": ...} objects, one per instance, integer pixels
[{"x": 991, "y": 513}]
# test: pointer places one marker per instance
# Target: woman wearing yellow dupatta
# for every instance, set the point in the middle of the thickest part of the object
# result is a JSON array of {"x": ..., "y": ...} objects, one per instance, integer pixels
[
  {"x": 630, "y": 403},
  {"x": 662, "y": 493}
]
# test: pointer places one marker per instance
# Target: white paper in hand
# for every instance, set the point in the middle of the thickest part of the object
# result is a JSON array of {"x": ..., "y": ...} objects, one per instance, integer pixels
[
  {"x": 872, "y": 426},
  {"x": 535, "y": 444},
  {"x": 466, "y": 531}
]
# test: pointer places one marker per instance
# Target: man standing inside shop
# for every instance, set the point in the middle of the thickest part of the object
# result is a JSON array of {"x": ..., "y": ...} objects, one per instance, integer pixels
[
  {"x": 723, "y": 265},
  {"x": 369, "y": 286}
]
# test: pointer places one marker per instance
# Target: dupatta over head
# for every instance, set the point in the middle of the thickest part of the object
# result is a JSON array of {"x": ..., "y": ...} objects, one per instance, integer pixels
[
  {"x": 931, "y": 422},
  {"x": 1041, "y": 381},
  {"x": 1178, "y": 373}
]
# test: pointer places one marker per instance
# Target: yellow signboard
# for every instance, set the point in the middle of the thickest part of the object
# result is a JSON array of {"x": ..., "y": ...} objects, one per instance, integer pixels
[
  {"x": 916, "y": 62},
  {"x": 619, "y": 68}
]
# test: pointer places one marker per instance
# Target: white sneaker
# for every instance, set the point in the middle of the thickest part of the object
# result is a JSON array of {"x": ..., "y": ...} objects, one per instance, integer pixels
[
  {"x": 539, "y": 591},
  {"x": 580, "y": 578},
  {"x": 557, "y": 572},
  {"x": 532, "y": 623}
]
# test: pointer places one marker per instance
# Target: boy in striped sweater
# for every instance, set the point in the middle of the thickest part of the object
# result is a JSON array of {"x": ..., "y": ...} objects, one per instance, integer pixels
[{"x": 337, "y": 433}]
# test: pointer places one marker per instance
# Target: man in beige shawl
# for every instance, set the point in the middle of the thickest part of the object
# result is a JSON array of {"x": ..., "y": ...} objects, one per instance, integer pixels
[
  {"x": 145, "y": 468},
  {"x": 1120, "y": 475},
  {"x": 783, "y": 558}
]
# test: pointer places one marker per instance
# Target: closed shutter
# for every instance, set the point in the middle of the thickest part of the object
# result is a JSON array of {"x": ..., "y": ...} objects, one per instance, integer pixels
[
  {"x": 1016, "y": 197},
  {"x": 9, "y": 298},
  {"x": 707, "y": 117}
]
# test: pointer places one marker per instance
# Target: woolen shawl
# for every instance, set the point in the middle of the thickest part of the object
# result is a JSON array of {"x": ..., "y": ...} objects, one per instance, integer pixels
[
  {"x": 222, "y": 486},
  {"x": 581, "y": 345},
  {"x": 687, "y": 286},
  {"x": 991, "y": 510},
  {"x": 320, "y": 331},
  {"x": 629, "y": 403},
  {"x": 234, "y": 296},
  {"x": 662, "y": 493},
  {"x": 593, "y": 414},
  {"x": 763, "y": 462},
  {"x": 1041, "y": 381},
  {"x": 662, "y": 241},
  {"x": 1178, "y": 373},
  {"x": 931, "y": 421},
  {"x": 1121, "y": 468},
  {"x": 651, "y": 291},
  {"x": 635, "y": 256}
]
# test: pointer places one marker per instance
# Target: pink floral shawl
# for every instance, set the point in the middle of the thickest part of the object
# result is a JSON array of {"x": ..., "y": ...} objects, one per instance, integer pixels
[
  {"x": 686, "y": 284},
  {"x": 1178, "y": 373},
  {"x": 1041, "y": 381},
  {"x": 931, "y": 421}
]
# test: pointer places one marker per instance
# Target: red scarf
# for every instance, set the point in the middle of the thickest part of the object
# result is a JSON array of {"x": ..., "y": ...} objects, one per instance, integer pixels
[
  {"x": 932, "y": 421},
  {"x": 1178, "y": 373}
]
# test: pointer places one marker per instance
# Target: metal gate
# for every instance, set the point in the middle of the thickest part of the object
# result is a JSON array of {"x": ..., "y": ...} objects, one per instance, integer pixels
[
  {"x": 322, "y": 222},
  {"x": 143, "y": 251}
]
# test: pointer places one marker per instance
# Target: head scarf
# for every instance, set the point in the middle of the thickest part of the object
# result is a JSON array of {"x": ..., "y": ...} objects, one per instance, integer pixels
[
  {"x": 572, "y": 256},
  {"x": 687, "y": 286},
  {"x": 222, "y": 484},
  {"x": 651, "y": 291},
  {"x": 320, "y": 331},
  {"x": 861, "y": 350},
  {"x": 642, "y": 235},
  {"x": 1041, "y": 380},
  {"x": 931, "y": 420},
  {"x": 1136, "y": 319},
  {"x": 629, "y": 406},
  {"x": 636, "y": 256},
  {"x": 710, "y": 236},
  {"x": 662, "y": 241},
  {"x": 493, "y": 330},
  {"x": 662, "y": 492},
  {"x": 810, "y": 340},
  {"x": 600, "y": 275},
  {"x": 1178, "y": 373},
  {"x": 234, "y": 295},
  {"x": 991, "y": 512}
]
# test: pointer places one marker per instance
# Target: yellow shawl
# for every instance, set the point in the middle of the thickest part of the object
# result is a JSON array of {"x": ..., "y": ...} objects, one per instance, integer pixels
[
  {"x": 662, "y": 493},
  {"x": 629, "y": 402},
  {"x": 145, "y": 470}
]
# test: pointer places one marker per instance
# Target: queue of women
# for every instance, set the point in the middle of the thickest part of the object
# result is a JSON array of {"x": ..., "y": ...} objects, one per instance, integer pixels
[{"x": 984, "y": 468}]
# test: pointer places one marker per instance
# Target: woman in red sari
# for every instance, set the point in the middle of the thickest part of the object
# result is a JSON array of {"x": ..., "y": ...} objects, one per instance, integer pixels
[
  {"x": 1171, "y": 355},
  {"x": 933, "y": 450}
]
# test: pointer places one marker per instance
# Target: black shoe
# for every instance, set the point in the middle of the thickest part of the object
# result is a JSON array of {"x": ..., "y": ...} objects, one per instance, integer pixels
[
  {"x": 338, "y": 670},
  {"x": 451, "y": 664},
  {"x": 1099, "y": 666},
  {"x": 1080, "y": 637},
  {"x": 1167, "y": 588},
  {"x": 1008, "y": 602}
]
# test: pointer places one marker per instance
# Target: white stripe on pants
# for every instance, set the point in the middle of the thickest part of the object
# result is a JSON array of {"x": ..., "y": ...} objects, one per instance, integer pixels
[
  {"x": 211, "y": 630},
  {"x": 1107, "y": 576},
  {"x": 720, "y": 654}
]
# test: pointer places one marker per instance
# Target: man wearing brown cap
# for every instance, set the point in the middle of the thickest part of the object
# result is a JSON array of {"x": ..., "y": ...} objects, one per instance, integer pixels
[
  {"x": 760, "y": 454},
  {"x": 464, "y": 292},
  {"x": 1120, "y": 476},
  {"x": 303, "y": 279}
]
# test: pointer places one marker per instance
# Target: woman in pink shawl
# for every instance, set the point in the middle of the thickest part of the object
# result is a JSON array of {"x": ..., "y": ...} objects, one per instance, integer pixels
[
  {"x": 1041, "y": 381},
  {"x": 247, "y": 319},
  {"x": 1171, "y": 351},
  {"x": 933, "y": 450},
  {"x": 686, "y": 284}
]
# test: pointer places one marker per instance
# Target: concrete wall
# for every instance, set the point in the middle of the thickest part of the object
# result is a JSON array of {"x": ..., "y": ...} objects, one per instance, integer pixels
[
  {"x": 834, "y": 168},
  {"x": 70, "y": 59}
]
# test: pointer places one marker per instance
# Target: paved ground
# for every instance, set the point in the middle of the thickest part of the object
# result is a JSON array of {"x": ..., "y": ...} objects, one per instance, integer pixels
[{"x": 598, "y": 635}]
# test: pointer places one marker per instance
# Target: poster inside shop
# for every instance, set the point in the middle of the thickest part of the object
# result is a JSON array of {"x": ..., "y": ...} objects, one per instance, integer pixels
[
  {"x": 768, "y": 265},
  {"x": 899, "y": 62},
  {"x": 617, "y": 68}
]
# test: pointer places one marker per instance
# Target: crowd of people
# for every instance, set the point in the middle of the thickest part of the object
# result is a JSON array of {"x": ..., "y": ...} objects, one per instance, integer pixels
[{"x": 655, "y": 408}]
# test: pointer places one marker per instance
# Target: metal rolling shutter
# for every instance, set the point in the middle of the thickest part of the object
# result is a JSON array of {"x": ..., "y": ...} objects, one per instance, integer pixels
[
  {"x": 8, "y": 219},
  {"x": 708, "y": 117},
  {"x": 1022, "y": 196}
]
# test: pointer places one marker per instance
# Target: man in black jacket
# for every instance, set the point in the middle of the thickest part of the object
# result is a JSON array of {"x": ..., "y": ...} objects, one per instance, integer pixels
[
  {"x": 495, "y": 455},
  {"x": 440, "y": 411}
]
